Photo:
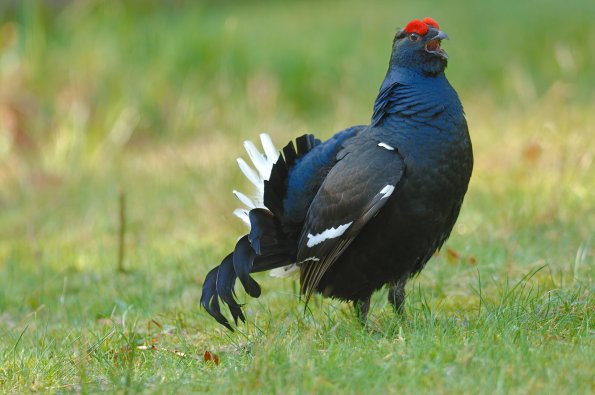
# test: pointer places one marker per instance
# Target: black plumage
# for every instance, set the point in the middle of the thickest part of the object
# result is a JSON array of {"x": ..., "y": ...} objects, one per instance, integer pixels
[{"x": 369, "y": 206}]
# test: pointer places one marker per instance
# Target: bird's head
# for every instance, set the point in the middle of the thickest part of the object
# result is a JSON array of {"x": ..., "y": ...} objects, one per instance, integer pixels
[{"x": 417, "y": 46}]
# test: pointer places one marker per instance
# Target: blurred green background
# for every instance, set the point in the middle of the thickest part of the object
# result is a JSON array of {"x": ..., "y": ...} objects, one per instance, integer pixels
[
  {"x": 154, "y": 98},
  {"x": 87, "y": 79},
  {"x": 89, "y": 87}
]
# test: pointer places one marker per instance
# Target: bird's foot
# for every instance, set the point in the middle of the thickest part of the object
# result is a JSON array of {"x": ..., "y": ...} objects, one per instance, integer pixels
[
  {"x": 362, "y": 306},
  {"x": 396, "y": 295}
]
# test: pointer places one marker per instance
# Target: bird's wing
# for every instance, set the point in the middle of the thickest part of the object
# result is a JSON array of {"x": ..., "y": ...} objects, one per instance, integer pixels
[{"x": 355, "y": 189}]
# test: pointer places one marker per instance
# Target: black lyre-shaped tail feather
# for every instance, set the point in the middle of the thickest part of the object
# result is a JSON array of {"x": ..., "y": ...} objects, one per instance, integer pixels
[
  {"x": 270, "y": 253},
  {"x": 210, "y": 299},
  {"x": 266, "y": 247},
  {"x": 243, "y": 262},
  {"x": 226, "y": 279}
]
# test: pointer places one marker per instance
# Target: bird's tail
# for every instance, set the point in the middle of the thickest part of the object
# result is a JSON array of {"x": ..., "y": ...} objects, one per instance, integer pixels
[{"x": 269, "y": 245}]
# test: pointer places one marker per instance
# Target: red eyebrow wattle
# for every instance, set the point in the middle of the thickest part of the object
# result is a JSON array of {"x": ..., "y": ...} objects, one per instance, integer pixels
[
  {"x": 417, "y": 26},
  {"x": 429, "y": 21}
]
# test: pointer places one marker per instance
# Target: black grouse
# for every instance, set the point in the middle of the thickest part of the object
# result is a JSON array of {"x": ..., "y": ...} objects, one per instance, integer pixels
[{"x": 369, "y": 206}]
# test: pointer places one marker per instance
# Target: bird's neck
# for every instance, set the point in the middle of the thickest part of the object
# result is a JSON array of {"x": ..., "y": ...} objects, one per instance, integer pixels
[
  {"x": 409, "y": 93},
  {"x": 407, "y": 76}
]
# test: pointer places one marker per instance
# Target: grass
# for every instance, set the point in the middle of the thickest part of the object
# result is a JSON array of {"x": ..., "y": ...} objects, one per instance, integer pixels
[{"x": 154, "y": 101}]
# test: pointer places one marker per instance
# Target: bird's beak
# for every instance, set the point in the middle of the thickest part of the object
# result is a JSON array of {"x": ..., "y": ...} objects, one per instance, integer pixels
[
  {"x": 433, "y": 45},
  {"x": 440, "y": 36}
]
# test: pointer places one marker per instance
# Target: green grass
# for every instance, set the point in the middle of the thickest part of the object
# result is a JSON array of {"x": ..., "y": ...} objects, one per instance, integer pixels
[{"x": 155, "y": 101}]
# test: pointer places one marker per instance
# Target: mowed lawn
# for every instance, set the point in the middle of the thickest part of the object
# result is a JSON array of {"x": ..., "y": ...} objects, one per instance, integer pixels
[{"x": 137, "y": 110}]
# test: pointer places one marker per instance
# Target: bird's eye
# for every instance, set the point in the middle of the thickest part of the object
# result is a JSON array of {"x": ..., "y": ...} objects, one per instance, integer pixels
[{"x": 414, "y": 37}]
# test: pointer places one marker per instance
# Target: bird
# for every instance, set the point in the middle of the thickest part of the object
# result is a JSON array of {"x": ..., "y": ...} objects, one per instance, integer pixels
[{"x": 366, "y": 208}]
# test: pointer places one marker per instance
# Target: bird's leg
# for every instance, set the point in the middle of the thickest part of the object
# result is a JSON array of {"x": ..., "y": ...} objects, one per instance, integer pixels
[
  {"x": 362, "y": 306},
  {"x": 396, "y": 294}
]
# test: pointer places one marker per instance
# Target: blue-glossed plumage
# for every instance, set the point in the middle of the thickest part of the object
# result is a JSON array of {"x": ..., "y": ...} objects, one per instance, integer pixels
[{"x": 369, "y": 206}]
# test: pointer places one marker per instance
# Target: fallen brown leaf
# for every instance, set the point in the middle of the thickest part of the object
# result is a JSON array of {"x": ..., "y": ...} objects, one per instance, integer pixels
[
  {"x": 210, "y": 356},
  {"x": 452, "y": 256}
]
